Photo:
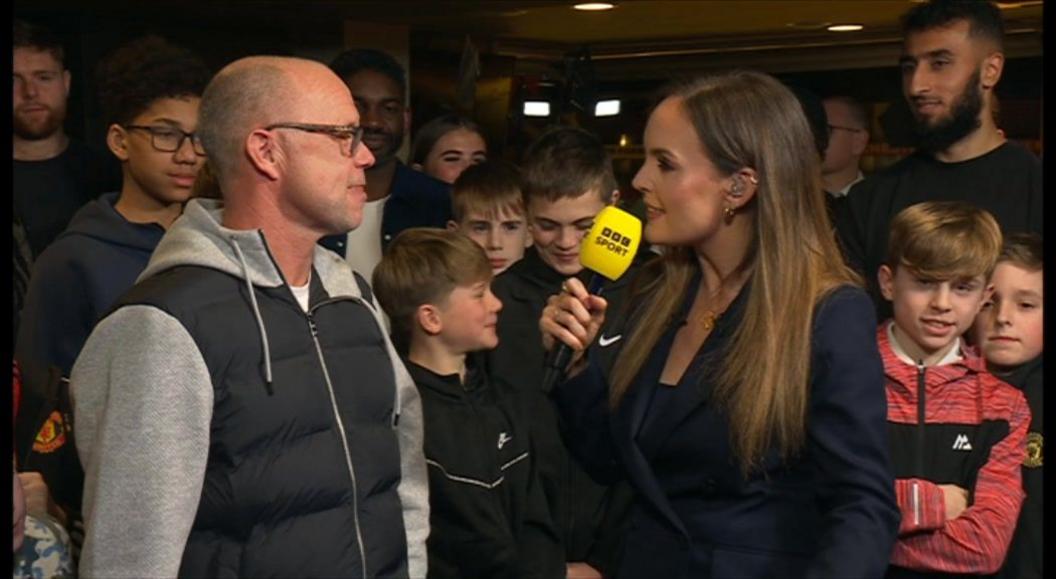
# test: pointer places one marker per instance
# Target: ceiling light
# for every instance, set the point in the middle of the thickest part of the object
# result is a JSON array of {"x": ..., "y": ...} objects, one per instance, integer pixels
[
  {"x": 594, "y": 6},
  {"x": 607, "y": 108},
  {"x": 844, "y": 28},
  {"x": 536, "y": 109}
]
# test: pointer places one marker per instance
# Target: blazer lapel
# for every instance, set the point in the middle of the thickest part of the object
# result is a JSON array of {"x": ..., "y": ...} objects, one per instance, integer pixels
[
  {"x": 695, "y": 386},
  {"x": 635, "y": 463}
]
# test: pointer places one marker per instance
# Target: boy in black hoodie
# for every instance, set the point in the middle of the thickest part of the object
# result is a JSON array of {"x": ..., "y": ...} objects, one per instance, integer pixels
[
  {"x": 567, "y": 181},
  {"x": 149, "y": 90},
  {"x": 488, "y": 516},
  {"x": 1009, "y": 332}
]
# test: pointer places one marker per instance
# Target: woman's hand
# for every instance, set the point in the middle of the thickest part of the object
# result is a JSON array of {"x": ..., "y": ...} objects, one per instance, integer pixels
[{"x": 572, "y": 317}]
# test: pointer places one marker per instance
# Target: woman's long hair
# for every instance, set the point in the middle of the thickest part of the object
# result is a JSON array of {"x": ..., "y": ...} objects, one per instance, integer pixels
[{"x": 749, "y": 119}]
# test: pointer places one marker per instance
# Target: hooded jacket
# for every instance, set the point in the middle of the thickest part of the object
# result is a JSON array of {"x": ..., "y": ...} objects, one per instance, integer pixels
[
  {"x": 77, "y": 279},
  {"x": 590, "y": 517},
  {"x": 74, "y": 282},
  {"x": 953, "y": 424},
  {"x": 489, "y": 517},
  {"x": 226, "y": 432}
]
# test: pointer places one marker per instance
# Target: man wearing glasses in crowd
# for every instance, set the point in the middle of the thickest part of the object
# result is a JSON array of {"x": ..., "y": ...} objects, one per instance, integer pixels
[
  {"x": 149, "y": 90},
  {"x": 848, "y": 128},
  {"x": 241, "y": 412}
]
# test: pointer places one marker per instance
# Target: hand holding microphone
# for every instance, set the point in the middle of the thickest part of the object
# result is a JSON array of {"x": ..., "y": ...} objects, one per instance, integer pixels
[{"x": 574, "y": 317}]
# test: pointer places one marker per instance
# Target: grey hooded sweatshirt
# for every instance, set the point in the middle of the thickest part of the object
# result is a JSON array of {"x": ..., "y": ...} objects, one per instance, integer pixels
[{"x": 224, "y": 431}]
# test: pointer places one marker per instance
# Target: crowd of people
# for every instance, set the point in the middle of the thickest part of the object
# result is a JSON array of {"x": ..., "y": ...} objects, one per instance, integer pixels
[{"x": 252, "y": 341}]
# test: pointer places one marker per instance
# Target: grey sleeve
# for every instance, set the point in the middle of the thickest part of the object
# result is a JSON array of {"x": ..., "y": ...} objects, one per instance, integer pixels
[
  {"x": 414, "y": 482},
  {"x": 413, "y": 489},
  {"x": 143, "y": 402}
]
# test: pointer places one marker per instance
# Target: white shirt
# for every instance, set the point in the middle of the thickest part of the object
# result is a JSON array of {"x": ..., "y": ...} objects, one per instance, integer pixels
[
  {"x": 363, "y": 248},
  {"x": 954, "y": 355},
  {"x": 843, "y": 192},
  {"x": 301, "y": 292}
]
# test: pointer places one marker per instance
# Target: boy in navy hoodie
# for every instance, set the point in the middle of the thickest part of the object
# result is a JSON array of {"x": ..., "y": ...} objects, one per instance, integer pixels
[
  {"x": 488, "y": 514},
  {"x": 957, "y": 433},
  {"x": 149, "y": 90},
  {"x": 1009, "y": 331}
]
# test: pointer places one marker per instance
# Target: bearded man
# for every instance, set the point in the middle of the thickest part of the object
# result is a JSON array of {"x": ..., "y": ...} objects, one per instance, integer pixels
[
  {"x": 952, "y": 58},
  {"x": 53, "y": 174}
]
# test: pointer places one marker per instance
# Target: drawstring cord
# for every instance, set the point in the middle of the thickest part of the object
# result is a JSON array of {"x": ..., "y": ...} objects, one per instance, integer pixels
[{"x": 260, "y": 320}]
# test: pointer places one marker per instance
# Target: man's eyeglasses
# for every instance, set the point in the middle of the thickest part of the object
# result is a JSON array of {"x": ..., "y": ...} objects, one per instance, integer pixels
[
  {"x": 839, "y": 128},
  {"x": 169, "y": 139},
  {"x": 350, "y": 134}
]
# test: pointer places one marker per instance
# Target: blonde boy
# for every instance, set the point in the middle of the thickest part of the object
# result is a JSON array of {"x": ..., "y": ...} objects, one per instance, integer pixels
[
  {"x": 957, "y": 434},
  {"x": 488, "y": 516},
  {"x": 487, "y": 207}
]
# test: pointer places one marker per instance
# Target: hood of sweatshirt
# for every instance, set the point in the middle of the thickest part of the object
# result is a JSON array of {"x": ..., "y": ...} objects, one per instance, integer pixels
[
  {"x": 198, "y": 238},
  {"x": 100, "y": 220}
]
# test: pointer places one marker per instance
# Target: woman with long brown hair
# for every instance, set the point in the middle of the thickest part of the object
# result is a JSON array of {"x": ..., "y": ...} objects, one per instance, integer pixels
[{"x": 742, "y": 393}]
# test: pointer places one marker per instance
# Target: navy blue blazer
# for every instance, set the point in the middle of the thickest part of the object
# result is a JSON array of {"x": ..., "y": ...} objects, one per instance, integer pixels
[{"x": 830, "y": 512}]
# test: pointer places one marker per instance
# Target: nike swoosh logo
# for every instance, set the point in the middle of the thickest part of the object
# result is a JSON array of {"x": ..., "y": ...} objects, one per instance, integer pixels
[{"x": 605, "y": 341}]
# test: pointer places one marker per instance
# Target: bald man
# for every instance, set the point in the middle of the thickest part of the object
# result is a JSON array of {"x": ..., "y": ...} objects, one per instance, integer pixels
[{"x": 241, "y": 412}]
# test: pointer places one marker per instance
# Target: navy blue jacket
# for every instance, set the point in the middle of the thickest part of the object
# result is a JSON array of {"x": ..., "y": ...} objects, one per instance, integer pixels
[
  {"x": 77, "y": 279},
  {"x": 830, "y": 512},
  {"x": 415, "y": 200}
]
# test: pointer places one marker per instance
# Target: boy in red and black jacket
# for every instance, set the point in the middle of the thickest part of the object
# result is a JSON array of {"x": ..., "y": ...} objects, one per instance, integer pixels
[{"x": 957, "y": 433}]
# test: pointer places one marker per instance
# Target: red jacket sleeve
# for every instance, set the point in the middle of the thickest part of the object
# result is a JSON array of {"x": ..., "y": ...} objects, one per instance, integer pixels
[
  {"x": 977, "y": 541},
  {"x": 922, "y": 505}
]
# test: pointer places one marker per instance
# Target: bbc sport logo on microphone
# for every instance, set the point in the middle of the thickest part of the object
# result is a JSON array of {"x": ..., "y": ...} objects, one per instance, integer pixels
[{"x": 612, "y": 243}]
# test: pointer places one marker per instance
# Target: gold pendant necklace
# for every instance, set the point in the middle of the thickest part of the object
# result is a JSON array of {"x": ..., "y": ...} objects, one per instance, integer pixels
[{"x": 707, "y": 320}]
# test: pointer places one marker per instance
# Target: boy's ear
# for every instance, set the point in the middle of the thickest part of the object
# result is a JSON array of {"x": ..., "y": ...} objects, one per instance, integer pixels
[
  {"x": 615, "y": 197},
  {"x": 886, "y": 278},
  {"x": 428, "y": 318},
  {"x": 451, "y": 225},
  {"x": 116, "y": 141}
]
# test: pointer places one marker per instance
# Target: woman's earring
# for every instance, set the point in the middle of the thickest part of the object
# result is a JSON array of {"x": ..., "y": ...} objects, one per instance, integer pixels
[{"x": 727, "y": 214}]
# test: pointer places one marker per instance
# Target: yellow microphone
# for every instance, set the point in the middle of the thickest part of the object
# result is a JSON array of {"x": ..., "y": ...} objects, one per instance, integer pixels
[
  {"x": 609, "y": 248},
  {"x": 607, "y": 251}
]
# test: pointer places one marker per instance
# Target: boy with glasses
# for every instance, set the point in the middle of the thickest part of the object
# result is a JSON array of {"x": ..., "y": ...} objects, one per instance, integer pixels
[{"x": 150, "y": 91}]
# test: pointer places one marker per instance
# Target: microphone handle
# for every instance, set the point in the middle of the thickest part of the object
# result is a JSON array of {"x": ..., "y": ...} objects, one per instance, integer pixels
[{"x": 558, "y": 358}]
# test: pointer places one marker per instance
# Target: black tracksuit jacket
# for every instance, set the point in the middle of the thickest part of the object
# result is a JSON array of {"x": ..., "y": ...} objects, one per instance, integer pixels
[
  {"x": 488, "y": 515},
  {"x": 591, "y": 518}
]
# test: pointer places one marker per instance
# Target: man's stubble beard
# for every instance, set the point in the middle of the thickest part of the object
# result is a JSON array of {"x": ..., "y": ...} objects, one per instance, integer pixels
[
  {"x": 963, "y": 120},
  {"x": 38, "y": 131}
]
